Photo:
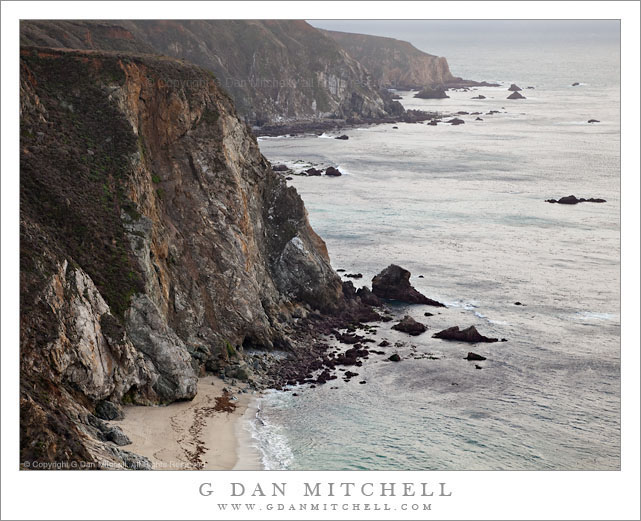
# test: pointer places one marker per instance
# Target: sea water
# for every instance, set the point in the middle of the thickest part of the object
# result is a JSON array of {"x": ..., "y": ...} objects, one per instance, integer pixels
[{"x": 464, "y": 207}]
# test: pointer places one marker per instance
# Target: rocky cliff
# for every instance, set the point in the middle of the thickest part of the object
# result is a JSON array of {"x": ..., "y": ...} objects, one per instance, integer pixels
[
  {"x": 275, "y": 70},
  {"x": 395, "y": 63},
  {"x": 156, "y": 242}
]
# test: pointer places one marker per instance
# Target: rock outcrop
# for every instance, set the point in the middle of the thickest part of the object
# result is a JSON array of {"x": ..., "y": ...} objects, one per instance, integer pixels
[
  {"x": 516, "y": 95},
  {"x": 431, "y": 93},
  {"x": 156, "y": 241},
  {"x": 470, "y": 335},
  {"x": 410, "y": 326},
  {"x": 394, "y": 283},
  {"x": 571, "y": 199}
]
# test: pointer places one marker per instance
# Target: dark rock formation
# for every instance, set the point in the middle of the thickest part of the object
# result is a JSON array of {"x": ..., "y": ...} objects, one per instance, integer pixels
[
  {"x": 280, "y": 168},
  {"x": 514, "y": 87},
  {"x": 394, "y": 358},
  {"x": 456, "y": 121},
  {"x": 470, "y": 335},
  {"x": 410, "y": 326},
  {"x": 478, "y": 119},
  {"x": 593, "y": 121},
  {"x": 576, "y": 84},
  {"x": 571, "y": 199},
  {"x": 394, "y": 283},
  {"x": 473, "y": 356},
  {"x": 431, "y": 93},
  {"x": 313, "y": 172},
  {"x": 367, "y": 297},
  {"x": 354, "y": 275},
  {"x": 395, "y": 128},
  {"x": 344, "y": 137},
  {"x": 432, "y": 123},
  {"x": 107, "y": 410},
  {"x": 516, "y": 95},
  {"x": 333, "y": 172},
  {"x": 480, "y": 96}
]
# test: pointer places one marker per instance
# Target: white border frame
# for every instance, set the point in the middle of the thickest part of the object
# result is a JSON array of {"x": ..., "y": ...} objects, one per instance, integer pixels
[{"x": 174, "y": 495}]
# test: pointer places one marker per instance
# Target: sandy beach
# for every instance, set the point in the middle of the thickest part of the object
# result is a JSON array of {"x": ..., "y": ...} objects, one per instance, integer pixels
[{"x": 193, "y": 435}]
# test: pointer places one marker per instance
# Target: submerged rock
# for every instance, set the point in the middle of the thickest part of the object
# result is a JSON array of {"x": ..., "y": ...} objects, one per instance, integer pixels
[
  {"x": 343, "y": 137},
  {"x": 410, "y": 326},
  {"x": 470, "y": 335},
  {"x": 394, "y": 283},
  {"x": 480, "y": 96}
]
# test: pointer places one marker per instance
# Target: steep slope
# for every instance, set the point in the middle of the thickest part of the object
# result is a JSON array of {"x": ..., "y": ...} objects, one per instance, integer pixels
[
  {"x": 156, "y": 242},
  {"x": 275, "y": 70},
  {"x": 395, "y": 63}
]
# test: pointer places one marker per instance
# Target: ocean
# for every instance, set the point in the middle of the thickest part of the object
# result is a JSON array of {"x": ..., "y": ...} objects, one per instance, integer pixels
[{"x": 464, "y": 207}]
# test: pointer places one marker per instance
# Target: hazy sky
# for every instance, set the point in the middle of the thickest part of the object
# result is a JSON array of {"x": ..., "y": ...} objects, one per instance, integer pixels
[{"x": 436, "y": 36}]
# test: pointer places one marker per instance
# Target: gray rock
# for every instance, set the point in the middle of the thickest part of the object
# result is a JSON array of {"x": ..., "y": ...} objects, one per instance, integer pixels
[
  {"x": 116, "y": 435},
  {"x": 107, "y": 410}
]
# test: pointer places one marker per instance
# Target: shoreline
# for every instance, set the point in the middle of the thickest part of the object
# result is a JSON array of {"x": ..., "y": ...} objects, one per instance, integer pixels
[{"x": 191, "y": 435}]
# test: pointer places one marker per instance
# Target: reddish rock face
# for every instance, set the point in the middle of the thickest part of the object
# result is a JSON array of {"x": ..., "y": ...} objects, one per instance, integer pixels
[{"x": 155, "y": 241}]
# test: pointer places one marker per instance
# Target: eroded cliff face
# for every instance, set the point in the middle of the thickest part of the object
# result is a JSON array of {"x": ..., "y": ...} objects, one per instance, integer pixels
[
  {"x": 394, "y": 63},
  {"x": 275, "y": 70},
  {"x": 155, "y": 242}
]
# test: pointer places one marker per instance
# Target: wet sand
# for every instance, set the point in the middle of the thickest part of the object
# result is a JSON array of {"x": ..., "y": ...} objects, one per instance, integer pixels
[{"x": 192, "y": 435}]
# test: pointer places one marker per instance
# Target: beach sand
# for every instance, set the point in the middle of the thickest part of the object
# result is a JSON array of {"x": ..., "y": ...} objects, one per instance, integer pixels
[{"x": 192, "y": 435}]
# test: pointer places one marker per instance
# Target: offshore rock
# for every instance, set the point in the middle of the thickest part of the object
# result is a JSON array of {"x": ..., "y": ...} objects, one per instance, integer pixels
[
  {"x": 410, "y": 326},
  {"x": 394, "y": 283},
  {"x": 516, "y": 95},
  {"x": 571, "y": 199},
  {"x": 470, "y": 335},
  {"x": 431, "y": 93}
]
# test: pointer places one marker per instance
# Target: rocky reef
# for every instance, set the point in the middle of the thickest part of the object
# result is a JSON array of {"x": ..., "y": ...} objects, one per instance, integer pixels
[{"x": 156, "y": 243}]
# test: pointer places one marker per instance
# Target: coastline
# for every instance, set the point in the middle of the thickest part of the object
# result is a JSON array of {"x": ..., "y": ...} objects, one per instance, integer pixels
[{"x": 191, "y": 435}]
